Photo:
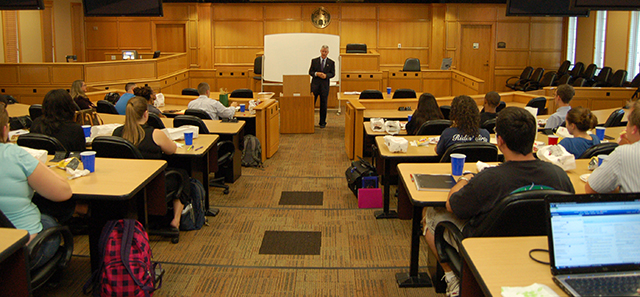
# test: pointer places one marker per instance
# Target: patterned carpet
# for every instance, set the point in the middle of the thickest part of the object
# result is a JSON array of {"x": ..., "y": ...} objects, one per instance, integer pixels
[{"x": 359, "y": 255}]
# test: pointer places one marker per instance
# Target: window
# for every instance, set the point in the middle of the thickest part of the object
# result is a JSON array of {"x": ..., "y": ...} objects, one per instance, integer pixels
[
  {"x": 571, "y": 38},
  {"x": 600, "y": 38},
  {"x": 634, "y": 46}
]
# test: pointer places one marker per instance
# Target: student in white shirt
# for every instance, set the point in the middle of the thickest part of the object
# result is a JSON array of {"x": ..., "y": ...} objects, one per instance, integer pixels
[{"x": 214, "y": 108}]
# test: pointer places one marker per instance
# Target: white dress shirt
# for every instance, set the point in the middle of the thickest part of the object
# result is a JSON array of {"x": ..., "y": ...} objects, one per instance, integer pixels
[{"x": 214, "y": 108}]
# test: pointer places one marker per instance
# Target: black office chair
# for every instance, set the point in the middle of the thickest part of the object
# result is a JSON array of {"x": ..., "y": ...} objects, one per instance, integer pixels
[
  {"x": 501, "y": 106},
  {"x": 519, "y": 214},
  {"x": 475, "y": 151},
  {"x": 51, "y": 272},
  {"x": 156, "y": 55},
  {"x": 617, "y": 79},
  {"x": 356, "y": 48},
  {"x": 190, "y": 92},
  {"x": 446, "y": 110},
  {"x": 547, "y": 80},
  {"x": 35, "y": 111},
  {"x": 226, "y": 150},
  {"x": 10, "y": 99},
  {"x": 182, "y": 120},
  {"x": 257, "y": 68},
  {"x": 634, "y": 83},
  {"x": 535, "y": 78},
  {"x": 601, "y": 79},
  {"x": 155, "y": 121},
  {"x": 577, "y": 70},
  {"x": 198, "y": 112},
  {"x": 540, "y": 103},
  {"x": 241, "y": 93},
  {"x": 42, "y": 142},
  {"x": 411, "y": 64},
  {"x": 580, "y": 82},
  {"x": 118, "y": 147},
  {"x": 599, "y": 149},
  {"x": 563, "y": 80},
  {"x": 490, "y": 125},
  {"x": 615, "y": 118},
  {"x": 371, "y": 94},
  {"x": 104, "y": 106},
  {"x": 516, "y": 82},
  {"x": 404, "y": 93},
  {"x": 564, "y": 68},
  {"x": 589, "y": 72},
  {"x": 433, "y": 127}
]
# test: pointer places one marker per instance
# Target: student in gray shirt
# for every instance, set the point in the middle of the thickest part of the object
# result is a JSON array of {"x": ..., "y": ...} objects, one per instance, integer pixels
[
  {"x": 564, "y": 94},
  {"x": 214, "y": 108}
]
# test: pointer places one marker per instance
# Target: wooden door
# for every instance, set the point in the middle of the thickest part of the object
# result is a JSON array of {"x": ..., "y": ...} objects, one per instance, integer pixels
[
  {"x": 77, "y": 31},
  {"x": 48, "y": 33},
  {"x": 475, "y": 53},
  {"x": 10, "y": 32}
]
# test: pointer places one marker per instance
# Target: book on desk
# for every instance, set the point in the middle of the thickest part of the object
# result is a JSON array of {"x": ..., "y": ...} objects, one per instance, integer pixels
[{"x": 434, "y": 182}]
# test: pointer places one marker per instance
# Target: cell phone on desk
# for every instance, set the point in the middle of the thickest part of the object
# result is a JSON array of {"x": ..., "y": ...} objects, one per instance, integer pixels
[{"x": 225, "y": 120}]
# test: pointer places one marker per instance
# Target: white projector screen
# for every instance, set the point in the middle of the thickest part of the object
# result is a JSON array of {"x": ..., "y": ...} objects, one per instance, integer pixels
[{"x": 291, "y": 54}]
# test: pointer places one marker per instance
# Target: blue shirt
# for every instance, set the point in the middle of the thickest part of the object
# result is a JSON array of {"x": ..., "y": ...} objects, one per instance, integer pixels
[
  {"x": 121, "y": 105},
  {"x": 15, "y": 192},
  {"x": 577, "y": 145},
  {"x": 556, "y": 119},
  {"x": 451, "y": 136}
]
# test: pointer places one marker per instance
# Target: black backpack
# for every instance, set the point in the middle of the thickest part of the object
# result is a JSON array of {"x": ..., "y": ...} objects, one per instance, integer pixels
[
  {"x": 193, "y": 217},
  {"x": 356, "y": 171},
  {"x": 112, "y": 97},
  {"x": 252, "y": 152}
]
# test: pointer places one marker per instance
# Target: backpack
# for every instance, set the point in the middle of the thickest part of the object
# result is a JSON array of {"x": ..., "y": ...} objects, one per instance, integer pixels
[
  {"x": 193, "y": 217},
  {"x": 252, "y": 152},
  {"x": 356, "y": 171},
  {"x": 112, "y": 97},
  {"x": 125, "y": 265}
]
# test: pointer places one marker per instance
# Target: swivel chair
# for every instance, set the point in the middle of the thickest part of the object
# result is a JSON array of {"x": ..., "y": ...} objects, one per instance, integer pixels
[
  {"x": 433, "y": 127},
  {"x": 615, "y": 118},
  {"x": 371, "y": 94},
  {"x": 540, "y": 103},
  {"x": 241, "y": 93},
  {"x": 42, "y": 142},
  {"x": 404, "y": 93},
  {"x": 411, "y": 64},
  {"x": 489, "y": 125},
  {"x": 104, "y": 106},
  {"x": 198, "y": 113},
  {"x": 599, "y": 149},
  {"x": 519, "y": 80},
  {"x": 182, "y": 120},
  {"x": 475, "y": 151},
  {"x": 190, "y": 92},
  {"x": 356, "y": 48},
  {"x": 446, "y": 110},
  {"x": 35, "y": 111},
  {"x": 226, "y": 150},
  {"x": 155, "y": 121}
]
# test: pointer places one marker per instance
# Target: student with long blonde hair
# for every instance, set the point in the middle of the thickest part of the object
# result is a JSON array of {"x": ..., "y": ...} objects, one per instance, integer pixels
[
  {"x": 78, "y": 94},
  {"x": 151, "y": 142}
]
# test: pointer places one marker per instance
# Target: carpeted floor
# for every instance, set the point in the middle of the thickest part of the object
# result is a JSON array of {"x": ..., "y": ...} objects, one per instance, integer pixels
[{"x": 357, "y": 255}]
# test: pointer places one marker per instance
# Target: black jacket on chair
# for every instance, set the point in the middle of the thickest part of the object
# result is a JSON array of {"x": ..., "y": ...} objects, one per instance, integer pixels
[{"x": 319, "y": 85}]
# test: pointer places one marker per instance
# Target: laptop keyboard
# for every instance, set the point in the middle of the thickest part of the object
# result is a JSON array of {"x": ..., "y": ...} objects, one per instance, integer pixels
[{"x": 606, "y": 286}]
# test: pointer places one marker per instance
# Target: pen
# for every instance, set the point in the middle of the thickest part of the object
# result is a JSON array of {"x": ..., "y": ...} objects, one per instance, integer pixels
[
  {"x": 188, "y": 149},
  {"x": 199, "y": 148},
  {"x": 412, "y": 180}
]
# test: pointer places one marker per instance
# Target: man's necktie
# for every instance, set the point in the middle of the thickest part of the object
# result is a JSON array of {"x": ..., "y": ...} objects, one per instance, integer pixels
[{"x": 322, "y": 64}]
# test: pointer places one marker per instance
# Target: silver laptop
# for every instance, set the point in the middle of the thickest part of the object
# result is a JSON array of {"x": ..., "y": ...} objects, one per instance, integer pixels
[{"x": 594, "y": 243}]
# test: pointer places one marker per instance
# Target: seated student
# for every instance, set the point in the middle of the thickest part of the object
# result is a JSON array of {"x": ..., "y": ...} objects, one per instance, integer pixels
[
  {"x": 564, "y": 94},
  {"x": 151, "y": 142},
  {"x": 57, "y": 120},
  {"x": 427, "y": 110},
  {"x": 622, "y": 167},
  {"x": 473, "y": 197},
  {"x": 491, "y": 101},
  {"x": 580, "y": 120},
  {"x": 214, "y": 108},
  {"x": 4, "y": 100},
  {"x": 78, "y": 94},
  {"x": 21, "y": 175},
  {"x": 464, "y": 128},
  {"x": 121, "y": 106},
  {"x": 148, "y": 93}
]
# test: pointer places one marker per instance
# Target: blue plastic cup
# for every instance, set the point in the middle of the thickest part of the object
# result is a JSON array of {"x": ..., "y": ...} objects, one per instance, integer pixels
[
  {"x": 600, "y": 132},
  {"x": 457, "y": 164},
  {"x": 88, "y": 159},
  {"x": 388, "y": 90},
  {"x": 188, "y": 138},
  {"x": 601, "y": 159},
  {"x": 242, "y": 107},
  {"x": 87, "y": 130}
]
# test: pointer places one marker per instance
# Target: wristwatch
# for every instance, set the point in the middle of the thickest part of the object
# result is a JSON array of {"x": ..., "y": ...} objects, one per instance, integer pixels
[{"x": 464, "y": 178}]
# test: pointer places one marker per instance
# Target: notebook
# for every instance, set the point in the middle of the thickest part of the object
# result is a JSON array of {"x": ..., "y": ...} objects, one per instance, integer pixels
[
  {"x": 434, "y": 182},
  {"x": 594, "y": 241}
]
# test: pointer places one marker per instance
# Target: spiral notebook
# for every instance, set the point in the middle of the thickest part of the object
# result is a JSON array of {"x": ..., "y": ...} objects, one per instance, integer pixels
[{"x": 434, "y": 182}]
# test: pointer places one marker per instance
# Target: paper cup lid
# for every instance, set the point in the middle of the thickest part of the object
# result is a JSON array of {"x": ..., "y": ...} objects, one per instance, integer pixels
[
  {"x": 87, "y": 153},
  {"x": 459, "y": 156}
]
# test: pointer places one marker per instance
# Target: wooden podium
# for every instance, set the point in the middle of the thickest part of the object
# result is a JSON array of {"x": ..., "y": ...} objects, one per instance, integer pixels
[{"x": 296, "y": 105}]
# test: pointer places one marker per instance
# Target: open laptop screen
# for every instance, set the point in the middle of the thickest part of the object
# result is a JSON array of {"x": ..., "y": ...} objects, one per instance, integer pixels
[{"x": 594, "y": 233}]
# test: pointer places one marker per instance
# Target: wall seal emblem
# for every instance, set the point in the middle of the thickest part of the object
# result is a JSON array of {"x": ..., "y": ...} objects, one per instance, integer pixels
[{"x": 321, "y": 18}]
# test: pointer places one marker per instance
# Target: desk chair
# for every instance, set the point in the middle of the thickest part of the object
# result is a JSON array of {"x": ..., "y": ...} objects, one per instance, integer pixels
[
  {"x": 182, "y": 120},
  {"x": 35, "y": 111},
  {"x": 156, "y": 54},
  {"x": 564, "y": 68},
  {"x": 42, "y": 142},
  {"x": 490, "y": 125},
  {"x": 540, "y": 103},
  {"x": 356, "y": 48},
  {"x": 155, "y": 121},
  {"x": 118, "y": 147},
  {"x": 604, "y": 148},
  {"x": 547, "y": 80},
  {"x": 446, "y": 110},
  {"x": 433, "y": 127},
  {"x": 51, "y": 272},
  {"x": 104, "y": 106},
  {"x": 198, "y": 113},
  {"x": 577, "y": 70},
  {"x": 618, "y": 79},
  {"x": 501, "y": 106},
  {"x": 519, "y": 214},
  {"x": 634, "y": 83},
  {"x": 190, "y": 92},
  {"x": 515, "y": 82},
  {"x": 404, "y": 93},
  {"x": 535, "y": 78},
  {"x": 601, "y": 79},
  {"x": 589, "y": 72},
  {"x": 615, "y": 118},
  {"x": 411, "y": 64},
  {"x": 242, "y": 93},
  {"x": 579, "y": 82},
  {"x": 226, "y": 150},
  {"x": 564, "y": 79},
  {"x": 371, "y": 94},
  {"x": 257, "y": 68},
  {"x": 475, "y": 151}
]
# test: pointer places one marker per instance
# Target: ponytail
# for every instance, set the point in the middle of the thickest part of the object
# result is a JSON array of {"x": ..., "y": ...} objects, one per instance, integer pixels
[{"x": 135, "y": 109}]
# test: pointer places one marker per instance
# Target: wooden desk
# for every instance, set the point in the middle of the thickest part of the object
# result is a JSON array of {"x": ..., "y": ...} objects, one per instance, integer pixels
[
  {"x": 18, "y": 109},
  {"x": 491, "y": 263},
  {"x": 601, "y": 114},
  {"x": 110, "y": 191},
  {"x": 199, "y": 161},
  {"x": 15, "y": 279},
  {"x": 421, "y": 199}
]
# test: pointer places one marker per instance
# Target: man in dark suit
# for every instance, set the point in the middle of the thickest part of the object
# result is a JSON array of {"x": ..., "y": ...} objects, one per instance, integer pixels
[{"x": 322, "y": 70}]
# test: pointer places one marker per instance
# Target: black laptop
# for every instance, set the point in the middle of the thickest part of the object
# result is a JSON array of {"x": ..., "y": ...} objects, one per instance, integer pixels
[{"x": 594, "y": 243}]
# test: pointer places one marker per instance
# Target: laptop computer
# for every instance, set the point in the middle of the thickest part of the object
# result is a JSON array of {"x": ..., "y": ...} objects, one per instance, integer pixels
[{"x": 594, "y": 243}]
